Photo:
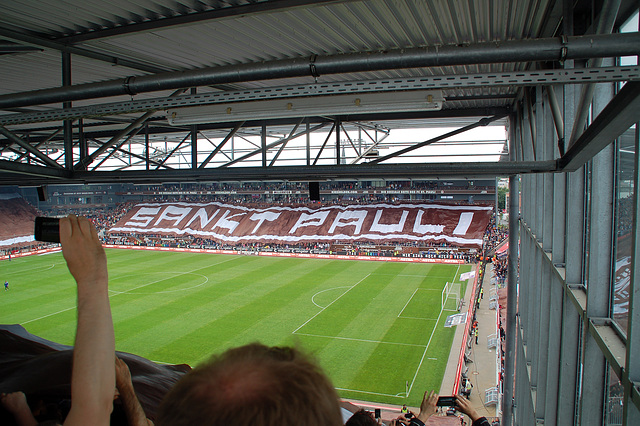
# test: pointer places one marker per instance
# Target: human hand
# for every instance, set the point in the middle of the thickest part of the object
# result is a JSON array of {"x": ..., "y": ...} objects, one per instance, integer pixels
[
  {"x": 14, "y": 402},
  {"x": 464, "y": 406},
  {"x": 83, "y": 251},
  {"x": 123, "y": 375},
  {"x": 400, "y": 421},
  {"x": 428, "y": 406}
]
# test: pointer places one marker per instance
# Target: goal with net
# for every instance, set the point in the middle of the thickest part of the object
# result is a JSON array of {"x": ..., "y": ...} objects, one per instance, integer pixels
[{"x": 450, "y": 300}]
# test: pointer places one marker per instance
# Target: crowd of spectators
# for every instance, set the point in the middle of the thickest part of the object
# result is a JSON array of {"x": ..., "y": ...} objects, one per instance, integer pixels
[
  {"x": 104, "y": 218},
  {"x": 494, "y": 235}
]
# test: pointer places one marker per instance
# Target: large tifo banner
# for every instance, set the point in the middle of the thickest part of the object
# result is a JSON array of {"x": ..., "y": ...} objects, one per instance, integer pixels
[{"x": 378, "y": 223}]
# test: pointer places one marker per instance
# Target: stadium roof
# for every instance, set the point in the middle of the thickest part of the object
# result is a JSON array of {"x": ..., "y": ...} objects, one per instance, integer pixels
[{"x": 89, "y": 88}]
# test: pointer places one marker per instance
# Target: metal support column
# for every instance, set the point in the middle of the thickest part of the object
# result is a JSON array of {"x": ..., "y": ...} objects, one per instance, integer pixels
[
  {"x": 599, "y": 278},
  {"x": 263, "y": 145},
  {"x": 67, "y": 124},
  {"x": 308, "y": 139},
  {"x": 632, "y": 370},
  {"x": 557, "y": 260},
  {"x": 146, "y": 146},
  {"x": 194, "y": 140},
  {"x": 338, "y": 125},
  {"x": 573, "y": 184},
  {"x": 82, "y": 140}
]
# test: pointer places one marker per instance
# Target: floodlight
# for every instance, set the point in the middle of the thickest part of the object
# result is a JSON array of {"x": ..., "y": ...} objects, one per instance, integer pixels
[{"x": 363, "y": 103}]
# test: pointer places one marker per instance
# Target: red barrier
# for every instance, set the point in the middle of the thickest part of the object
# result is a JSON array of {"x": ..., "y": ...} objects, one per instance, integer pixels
[
  {"x": 31, "y": 253},
  {"x": 465, "y": 337},
  {"x": 300, "y": 255}
]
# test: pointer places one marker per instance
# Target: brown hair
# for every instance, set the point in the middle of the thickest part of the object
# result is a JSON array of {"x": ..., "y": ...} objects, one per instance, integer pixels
[
  {"x": 361, "y": 418},
  {"x": 253, "y": 385}
]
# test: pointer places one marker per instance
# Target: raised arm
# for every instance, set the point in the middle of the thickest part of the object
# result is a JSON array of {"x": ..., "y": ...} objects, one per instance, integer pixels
[{"x": 93, "y": 375}]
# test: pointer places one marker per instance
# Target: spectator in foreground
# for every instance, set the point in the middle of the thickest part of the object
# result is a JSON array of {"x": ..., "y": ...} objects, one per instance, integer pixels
[
  {"x": 362, "y": 418},
  {"x": 428, "y": 407},
  {"x": 126, "y": 393},
  {"x": 464, "y": 406},
  {"x": 93, "y": 374},
  {"x": 253, "y": 385},
  {"x": 16, "y": 404}
]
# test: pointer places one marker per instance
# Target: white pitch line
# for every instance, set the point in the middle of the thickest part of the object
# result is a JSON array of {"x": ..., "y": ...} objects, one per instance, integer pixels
[
  {"x": 429, "y": 342},
  {"x": 418, "y": 318},
  {"x": 48, "y": 315},
  {"x": 322, "y": 291},
  {"x": 361, "y": 340},
  {"x": 121, "y": 292},
  {"x": 406, "y": 304},
  {"x": 334, "y": 301},
  {"x": 42, "y": 268},
  {"x": 398, "y": 395},
  {"x": 425, "y": 353},
  {"x": 410, "y": 298}
]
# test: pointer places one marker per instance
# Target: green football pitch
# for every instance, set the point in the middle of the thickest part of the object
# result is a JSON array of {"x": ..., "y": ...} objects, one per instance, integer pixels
[{"x": 377, "y": 328}]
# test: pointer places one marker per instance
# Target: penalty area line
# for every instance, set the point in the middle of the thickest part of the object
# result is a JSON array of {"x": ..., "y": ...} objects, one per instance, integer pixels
[
  {"x": 415, "y": 376},
  {"x": 322, "y": 310},
  {"x": 353, "y": 339},
  {"x": 398, "y": 395}
]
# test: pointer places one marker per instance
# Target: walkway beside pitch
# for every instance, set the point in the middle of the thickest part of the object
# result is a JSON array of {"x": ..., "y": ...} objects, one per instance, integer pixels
[{"x": 481, "y": 369}]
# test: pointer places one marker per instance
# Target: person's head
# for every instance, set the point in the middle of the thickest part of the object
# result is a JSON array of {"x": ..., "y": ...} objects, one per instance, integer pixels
[
  {"x": 361, "y": 418},
  {"x": 253, "y": 385}
]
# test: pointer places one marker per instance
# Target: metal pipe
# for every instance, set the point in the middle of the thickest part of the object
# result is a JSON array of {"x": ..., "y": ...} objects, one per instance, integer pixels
[
  {"x": 545, "y": 49},
  {"x": 67, "y": 124}
]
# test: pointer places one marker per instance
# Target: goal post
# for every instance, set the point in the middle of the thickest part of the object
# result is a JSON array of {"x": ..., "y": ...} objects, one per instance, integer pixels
[{"x": 450, "y": 298}]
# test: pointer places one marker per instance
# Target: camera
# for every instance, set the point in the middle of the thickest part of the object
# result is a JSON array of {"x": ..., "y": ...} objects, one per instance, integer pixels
[
  {"x": 47, "y": 229},
  {"x": 446, "y": 401}
]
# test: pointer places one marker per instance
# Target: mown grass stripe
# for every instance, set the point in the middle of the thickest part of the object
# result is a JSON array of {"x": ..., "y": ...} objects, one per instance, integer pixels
[{"x": 181, "y": 307}]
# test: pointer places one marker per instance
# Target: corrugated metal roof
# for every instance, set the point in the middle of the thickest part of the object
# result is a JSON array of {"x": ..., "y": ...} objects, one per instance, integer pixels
[
  {"x": 325, "y": 29},
  {"x": 118, "y": 39}
]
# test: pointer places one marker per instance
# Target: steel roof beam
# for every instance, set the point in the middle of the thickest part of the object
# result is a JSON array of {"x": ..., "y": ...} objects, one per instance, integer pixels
[
  {"x": 217, "y": 149},
  {"x": 272, "y": 145},
  {"x": 482, "y": 122},
  {"x": 549, "y": 49},
  {"x": 10, "y": 168},
  {"x": 501, "y": 79},
  {"x": 131, "y": 154},
  {"x": 39, "y": 155},
  {"x": 620, "y": 114},
  {"x": 115, "y": 60},
  {"x": 314, "y": 173},
  {"x": 275, "y": 157},
  {"x": 35, "y": 175},
  {"x": 605, "y": 26}
]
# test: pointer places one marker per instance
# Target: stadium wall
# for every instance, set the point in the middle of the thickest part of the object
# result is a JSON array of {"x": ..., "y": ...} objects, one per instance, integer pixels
[
  {"x": 300, "y": 255},
  {"x": 256, "y": 253}
]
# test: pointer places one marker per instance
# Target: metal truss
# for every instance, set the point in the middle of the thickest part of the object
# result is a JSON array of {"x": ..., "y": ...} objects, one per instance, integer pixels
[{"x": 500, "y": 79}]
